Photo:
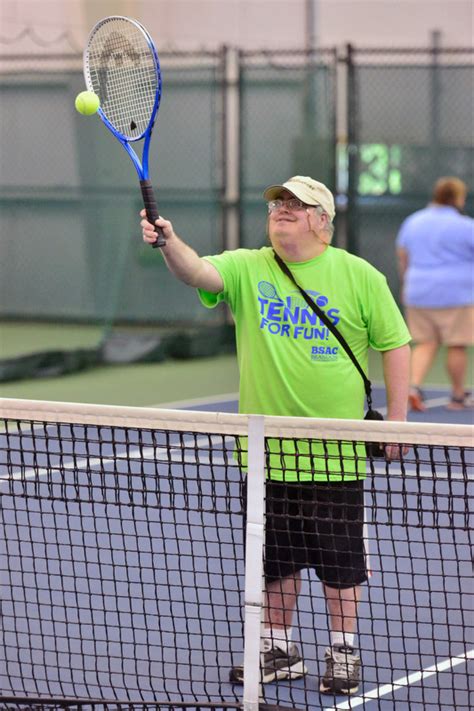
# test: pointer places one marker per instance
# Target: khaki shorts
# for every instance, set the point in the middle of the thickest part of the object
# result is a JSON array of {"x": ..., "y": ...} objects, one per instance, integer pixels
[{"x": 451, "y": 327}]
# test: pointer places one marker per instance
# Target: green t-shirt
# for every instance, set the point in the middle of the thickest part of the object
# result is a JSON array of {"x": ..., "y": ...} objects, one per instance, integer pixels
[{"x": 290, "y": 363}]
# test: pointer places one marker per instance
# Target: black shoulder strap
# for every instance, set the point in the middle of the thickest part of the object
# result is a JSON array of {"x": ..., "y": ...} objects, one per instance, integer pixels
[{"x": 327, "y": 322}]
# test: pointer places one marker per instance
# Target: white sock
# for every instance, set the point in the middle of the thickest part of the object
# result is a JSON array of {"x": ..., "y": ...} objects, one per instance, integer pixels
[
  {"x": 280, "y": 638},
  {"x": 346, "y": 639}
]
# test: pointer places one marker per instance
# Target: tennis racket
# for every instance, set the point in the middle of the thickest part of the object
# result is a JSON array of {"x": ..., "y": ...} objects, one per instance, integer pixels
[{"x": 121, "y": 66}]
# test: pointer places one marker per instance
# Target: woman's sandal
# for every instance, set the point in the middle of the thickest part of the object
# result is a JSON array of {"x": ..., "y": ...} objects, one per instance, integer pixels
[
  {"x": 416, "y": 400},
  {"x": 460, "y": 403}
]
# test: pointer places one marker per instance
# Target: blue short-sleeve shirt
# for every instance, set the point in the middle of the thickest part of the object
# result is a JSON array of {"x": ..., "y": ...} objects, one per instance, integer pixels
[{"x": 439, "y": 242}]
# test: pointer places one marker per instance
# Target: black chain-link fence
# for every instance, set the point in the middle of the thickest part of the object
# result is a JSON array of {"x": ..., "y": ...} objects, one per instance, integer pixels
[
  {"x": 410, "y": 118},
  {"x": 378, "y": 126},
  {"x": 287, "y": 127},
  {"x": 70, "y": 196}
]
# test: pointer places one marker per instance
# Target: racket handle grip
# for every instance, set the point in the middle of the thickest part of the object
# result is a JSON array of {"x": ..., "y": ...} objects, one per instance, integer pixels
[{"x": 152, "y": 213}]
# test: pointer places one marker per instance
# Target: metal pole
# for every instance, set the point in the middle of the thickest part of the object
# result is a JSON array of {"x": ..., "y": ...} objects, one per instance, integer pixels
[
  {"x": 232, "y": 148},
  {"x": 309, "y": 105},
  {"x": 310, "y": 25},
  {"x": 352, "y": 153},
  {"x": 435, "y": 99}
]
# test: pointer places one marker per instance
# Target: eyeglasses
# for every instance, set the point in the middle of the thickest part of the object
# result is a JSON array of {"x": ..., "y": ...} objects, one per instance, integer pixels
[{"x": 291, "y": 204}]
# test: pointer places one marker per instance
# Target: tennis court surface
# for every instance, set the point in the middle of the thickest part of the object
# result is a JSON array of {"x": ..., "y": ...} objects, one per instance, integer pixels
[{"x": 123, "y": 567}]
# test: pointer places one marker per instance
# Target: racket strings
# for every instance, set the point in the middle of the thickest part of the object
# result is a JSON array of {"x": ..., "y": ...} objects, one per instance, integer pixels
[{"x": 123, "y": 72}]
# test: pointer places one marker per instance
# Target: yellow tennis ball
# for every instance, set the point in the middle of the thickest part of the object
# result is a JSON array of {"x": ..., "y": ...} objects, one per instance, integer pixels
[{"x": 87, "y": 103}]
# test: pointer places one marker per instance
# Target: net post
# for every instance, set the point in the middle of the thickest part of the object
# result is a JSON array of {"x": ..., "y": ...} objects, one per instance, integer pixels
[{"x": 254, "y": 561}]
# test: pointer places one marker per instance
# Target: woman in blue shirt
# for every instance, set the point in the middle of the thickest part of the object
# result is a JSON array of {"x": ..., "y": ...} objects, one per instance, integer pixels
[{"x": 435, "y": 248}]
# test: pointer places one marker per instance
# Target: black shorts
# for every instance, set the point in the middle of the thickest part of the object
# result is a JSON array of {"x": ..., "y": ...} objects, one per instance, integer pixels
[{"x": 317, "y": 525}]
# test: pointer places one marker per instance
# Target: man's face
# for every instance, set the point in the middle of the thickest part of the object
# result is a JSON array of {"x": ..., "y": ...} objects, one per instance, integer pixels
[{"x": 287, "y": 222}]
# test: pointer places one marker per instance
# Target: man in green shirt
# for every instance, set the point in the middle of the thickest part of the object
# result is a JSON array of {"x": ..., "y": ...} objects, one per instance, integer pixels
[{"x": 292, "y": 365}]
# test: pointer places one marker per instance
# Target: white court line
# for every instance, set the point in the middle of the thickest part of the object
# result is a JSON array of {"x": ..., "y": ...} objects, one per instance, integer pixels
[
  {"x": 229, "y": 397},
  {"x": 161, "y": 454},
  {"x": 150, "y": 452},
  {"x": 413, "y": 678},
  {"x": 431, "y": 402},
  {"x": 411, "y": 471},
  {"x": 440, "y": 473},
  {"x": 180, "y": 404},
  {"x": 436, "y": 401},
  {"x": 211, "y": 400}
]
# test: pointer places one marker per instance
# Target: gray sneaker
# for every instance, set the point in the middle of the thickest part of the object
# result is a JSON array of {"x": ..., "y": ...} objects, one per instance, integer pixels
[
  {"x": 277, "y": 665},
  {"x": 342, "y": 671}
]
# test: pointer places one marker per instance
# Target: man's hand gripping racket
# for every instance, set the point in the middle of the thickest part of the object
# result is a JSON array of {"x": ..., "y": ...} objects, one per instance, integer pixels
[{"x": 121, "y": 66}]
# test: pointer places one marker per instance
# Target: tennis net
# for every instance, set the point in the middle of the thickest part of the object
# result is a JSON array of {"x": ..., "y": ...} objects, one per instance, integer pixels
[{"x": 125, "y": 582}]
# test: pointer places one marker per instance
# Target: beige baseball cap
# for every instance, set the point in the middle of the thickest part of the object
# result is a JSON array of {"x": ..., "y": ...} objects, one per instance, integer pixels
[{"x": 306, "y": 189}]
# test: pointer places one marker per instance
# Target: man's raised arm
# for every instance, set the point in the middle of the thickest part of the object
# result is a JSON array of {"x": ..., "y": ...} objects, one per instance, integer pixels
[{"x": 182, "y": 260}]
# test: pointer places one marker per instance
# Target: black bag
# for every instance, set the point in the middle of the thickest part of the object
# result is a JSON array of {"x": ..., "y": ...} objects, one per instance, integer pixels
[{"x": 373, "y": 449}]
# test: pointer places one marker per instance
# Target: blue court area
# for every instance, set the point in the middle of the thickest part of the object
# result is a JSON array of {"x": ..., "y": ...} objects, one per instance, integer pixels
[{"x": 125, "y": 575}]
